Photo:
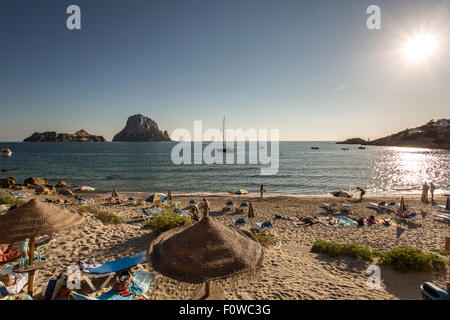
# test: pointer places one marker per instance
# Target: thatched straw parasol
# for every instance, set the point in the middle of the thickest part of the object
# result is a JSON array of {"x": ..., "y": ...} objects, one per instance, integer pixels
[
  {"x": 33, "y": 219},
  {"x": 205, "y": 251}
]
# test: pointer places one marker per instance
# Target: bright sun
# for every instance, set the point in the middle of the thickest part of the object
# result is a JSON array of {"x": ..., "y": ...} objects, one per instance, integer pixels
[{"x": 420, "y": 47}]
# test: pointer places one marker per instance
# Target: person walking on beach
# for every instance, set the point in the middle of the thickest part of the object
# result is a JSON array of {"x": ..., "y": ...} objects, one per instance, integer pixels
[
  {"x": 432, "y": 188},
  {"x": 362, "y": 192},
  {"x": 262, "y": 190}
]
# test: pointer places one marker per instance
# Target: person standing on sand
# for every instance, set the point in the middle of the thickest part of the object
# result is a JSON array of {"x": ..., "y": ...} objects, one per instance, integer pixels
[
  {"x": 425, "y": 192},
  {"x": 424, "y": 186},
  {"x": 262, "y": 190},
  {"x": 362, "y": 192},
  {"x": 432, "y": 188}
]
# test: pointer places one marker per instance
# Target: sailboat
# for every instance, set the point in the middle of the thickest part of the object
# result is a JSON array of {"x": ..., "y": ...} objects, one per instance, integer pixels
[{"x": 224, "y": 149}]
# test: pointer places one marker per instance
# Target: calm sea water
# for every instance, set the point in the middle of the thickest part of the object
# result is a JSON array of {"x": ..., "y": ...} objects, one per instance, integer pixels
[{"x": 148, "y": 167}]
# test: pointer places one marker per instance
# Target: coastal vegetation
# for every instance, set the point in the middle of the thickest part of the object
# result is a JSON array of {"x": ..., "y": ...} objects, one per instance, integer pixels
[
  {"x": 166, "y": 221},
  {"x": 408, "y": 259},
  {"x": 336, "y": 249},
  {"x": 402, "y": 259},
  {"x": 104, "y": 215}
]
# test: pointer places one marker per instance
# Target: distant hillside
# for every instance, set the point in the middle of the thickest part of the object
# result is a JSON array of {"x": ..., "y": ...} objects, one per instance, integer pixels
[{"x": 435, "y": 134}]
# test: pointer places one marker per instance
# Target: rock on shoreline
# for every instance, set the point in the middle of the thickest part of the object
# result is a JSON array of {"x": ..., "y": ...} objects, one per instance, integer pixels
[{"x": 53, "y": 136}]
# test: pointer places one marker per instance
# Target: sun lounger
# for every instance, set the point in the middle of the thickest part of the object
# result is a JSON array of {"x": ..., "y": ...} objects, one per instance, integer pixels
[
  {"x": 442, "y": 208},
  {"x": 346, "y": 208},
  {"x": 238, "y": 222},
  {"x": 266, "y": 224},
  {"x": 146, "y": 214},
  {"x": 442, "y": 216},
  {"x": 230, "y": 205},
  {"x": 380, "y": 205},
  {"x": 139, "y": 285},
  {"x": 328, "y": 206},
  {"x": 111, "y": 268},
  {"x": 431, "y": 291}
]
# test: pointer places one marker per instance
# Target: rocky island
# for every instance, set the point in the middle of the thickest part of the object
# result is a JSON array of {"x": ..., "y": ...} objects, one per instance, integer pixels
[
  {"x": 140, "y": 129},
  {"x": 352, "y": 141},
  {"x": 53, "y": 136},
  {"x": 434, "y": 135}
]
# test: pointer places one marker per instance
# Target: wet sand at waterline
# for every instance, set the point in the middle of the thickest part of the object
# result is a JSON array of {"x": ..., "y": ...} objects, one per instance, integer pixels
[{"x": 290, "y": 270}]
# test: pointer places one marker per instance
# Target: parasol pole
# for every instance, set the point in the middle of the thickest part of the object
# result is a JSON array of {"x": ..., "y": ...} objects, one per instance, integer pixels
[
  {"x": 31, "y": 259},
  {"x": 447, "y": 248},
  {"x": 207, "y": 290}
]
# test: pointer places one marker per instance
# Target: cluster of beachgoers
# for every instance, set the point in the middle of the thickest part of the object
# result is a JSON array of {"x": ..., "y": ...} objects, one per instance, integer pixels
[{"x": 116, "y": 246}]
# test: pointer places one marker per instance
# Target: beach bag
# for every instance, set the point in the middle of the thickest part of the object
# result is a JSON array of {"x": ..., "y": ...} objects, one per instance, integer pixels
[
  {"x": 51, "y": 287},
  {"x": 122, "y": 283}
]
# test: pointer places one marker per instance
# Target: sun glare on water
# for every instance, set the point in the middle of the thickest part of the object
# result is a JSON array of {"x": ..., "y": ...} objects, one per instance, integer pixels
[{"x": 420, "y": 47}]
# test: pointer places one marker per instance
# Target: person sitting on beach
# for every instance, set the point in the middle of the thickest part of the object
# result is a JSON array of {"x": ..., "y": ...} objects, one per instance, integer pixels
[
  {"x": 371, "y": 220},
  {"x": 8, "y": 252},
  {"x": 195, "y": 211}
]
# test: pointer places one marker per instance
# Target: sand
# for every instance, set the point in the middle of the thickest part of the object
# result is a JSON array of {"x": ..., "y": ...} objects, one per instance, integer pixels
[{"x": 290, "y": 270}]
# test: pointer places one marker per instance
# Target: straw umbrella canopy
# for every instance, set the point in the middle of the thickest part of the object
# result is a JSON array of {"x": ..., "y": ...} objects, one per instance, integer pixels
[
  {"x": 33, "y": 219},
  {"x": 251, "y": 212},
  {"x": 205, "y": 251}
]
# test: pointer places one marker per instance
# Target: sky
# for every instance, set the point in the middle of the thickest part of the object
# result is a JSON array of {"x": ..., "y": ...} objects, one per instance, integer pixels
[{"x": 311, "y": 69}]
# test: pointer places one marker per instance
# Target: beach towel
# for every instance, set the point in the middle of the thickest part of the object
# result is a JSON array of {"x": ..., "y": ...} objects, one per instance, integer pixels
[
  {"x": 21, "y": 281},
  {"x": 90, "y": 263},
  {"x": 346, "y": 221}
]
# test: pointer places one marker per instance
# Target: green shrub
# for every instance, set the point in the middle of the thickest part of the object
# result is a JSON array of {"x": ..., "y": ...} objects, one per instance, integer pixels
[
  {"x": 166, "y": 221},
  {"x": 442, "y": 252},
  {"x": 335, "y": 249},
  {"x": 8, "y": 199},
  {"x": 264, "y": 238},
  {"x": 104, "y": 216},
  {"x": 408, "y": 259}
]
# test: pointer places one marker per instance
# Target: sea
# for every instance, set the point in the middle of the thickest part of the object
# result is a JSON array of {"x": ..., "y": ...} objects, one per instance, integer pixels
[{"x": 148, "y": 167}]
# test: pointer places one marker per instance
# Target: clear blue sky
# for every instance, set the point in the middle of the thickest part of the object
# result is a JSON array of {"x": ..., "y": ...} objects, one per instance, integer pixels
[{"x": 309, "y": 68}]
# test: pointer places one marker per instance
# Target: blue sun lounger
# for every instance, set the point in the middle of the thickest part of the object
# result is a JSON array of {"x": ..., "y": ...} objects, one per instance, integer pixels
[
  {"x": 112, "y": 267},
  {"x": 140, "y": 283},
  {"x": 238, "y": 222},
  {"x": 262, "y": 225}
]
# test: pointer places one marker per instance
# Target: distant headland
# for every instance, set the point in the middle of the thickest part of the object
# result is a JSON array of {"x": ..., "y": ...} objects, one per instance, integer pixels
[{"x": 435, "y": 134}]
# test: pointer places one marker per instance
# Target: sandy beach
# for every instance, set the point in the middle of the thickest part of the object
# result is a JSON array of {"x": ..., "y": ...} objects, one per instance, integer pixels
[{"x": 290, "y": 270}]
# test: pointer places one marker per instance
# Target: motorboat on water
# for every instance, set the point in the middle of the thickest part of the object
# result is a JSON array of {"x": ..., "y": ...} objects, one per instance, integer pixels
[
  {"x": 6, "y": 153},
  {"x": 361, "y": 147}
]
